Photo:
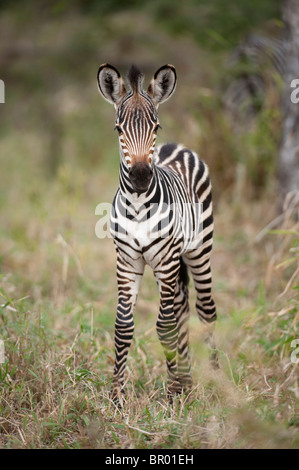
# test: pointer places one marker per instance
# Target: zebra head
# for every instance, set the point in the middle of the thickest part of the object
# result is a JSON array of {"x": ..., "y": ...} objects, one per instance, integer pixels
[{"x": 137, "y": 120}]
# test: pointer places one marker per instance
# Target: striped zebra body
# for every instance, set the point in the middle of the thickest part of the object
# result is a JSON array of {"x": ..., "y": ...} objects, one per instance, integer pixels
[
  {"x": 175, "y": 169},
  {"x": 169, "y": 226}
]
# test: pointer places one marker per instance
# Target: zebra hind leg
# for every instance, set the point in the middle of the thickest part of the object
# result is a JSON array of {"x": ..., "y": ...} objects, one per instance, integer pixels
[{"x": 205, "y": 305}]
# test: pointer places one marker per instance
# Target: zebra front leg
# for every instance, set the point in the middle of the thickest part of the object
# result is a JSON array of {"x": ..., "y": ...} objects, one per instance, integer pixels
[
  {"x": 167, "y": 329},
  {"x": 128, "y": 281},
  {"x": 181, "y": 309}
]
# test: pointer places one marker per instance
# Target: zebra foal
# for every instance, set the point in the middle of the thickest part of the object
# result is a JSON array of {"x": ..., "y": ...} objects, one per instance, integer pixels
[{"x": 162, "y": 216}]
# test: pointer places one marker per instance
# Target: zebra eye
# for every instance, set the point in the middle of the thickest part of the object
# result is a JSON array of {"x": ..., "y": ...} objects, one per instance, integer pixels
[
  {"x": 118, "y": 129},
  {"x": 157, "y": 127}
]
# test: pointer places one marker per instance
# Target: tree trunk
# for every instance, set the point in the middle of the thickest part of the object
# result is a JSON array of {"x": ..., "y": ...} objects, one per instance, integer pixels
[{"x": 288, "y": 165}]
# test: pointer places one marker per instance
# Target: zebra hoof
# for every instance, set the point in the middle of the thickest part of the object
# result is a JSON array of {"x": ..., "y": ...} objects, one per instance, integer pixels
[
  {"x": 214, "y": 361},
  {"x": 186, "y": 383},
  {"x": 118, "y": 397},
  {"x": 173, "y": 389}
]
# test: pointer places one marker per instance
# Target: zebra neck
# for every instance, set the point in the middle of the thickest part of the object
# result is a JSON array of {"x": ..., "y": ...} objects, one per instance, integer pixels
[{"x": 127, "y": 189}]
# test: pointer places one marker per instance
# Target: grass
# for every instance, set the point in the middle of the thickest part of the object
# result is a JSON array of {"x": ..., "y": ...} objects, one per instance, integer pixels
[
  {"x": 57, "y": 324},
  {"x": 57, "y": 280}
]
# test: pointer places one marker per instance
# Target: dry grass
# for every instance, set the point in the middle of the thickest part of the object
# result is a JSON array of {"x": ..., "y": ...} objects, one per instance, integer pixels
[{"x": 57, "y": 315}]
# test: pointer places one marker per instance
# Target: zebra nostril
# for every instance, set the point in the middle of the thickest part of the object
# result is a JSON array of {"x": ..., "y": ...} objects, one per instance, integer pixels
[
  {"x": 141, "y": 174},
  {"x": 133, "y": 174}
]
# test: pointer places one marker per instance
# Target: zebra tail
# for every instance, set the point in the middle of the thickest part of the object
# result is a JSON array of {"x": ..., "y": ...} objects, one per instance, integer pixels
[{"x": 183, "y": 275}]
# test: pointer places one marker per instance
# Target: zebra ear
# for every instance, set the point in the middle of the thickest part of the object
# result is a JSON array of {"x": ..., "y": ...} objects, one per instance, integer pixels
[
  {"x": 163, "y": 84},
  {"x": 111, "y": 84}
]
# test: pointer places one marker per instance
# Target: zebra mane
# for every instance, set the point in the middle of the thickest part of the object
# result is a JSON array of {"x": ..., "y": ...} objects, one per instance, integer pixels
[{"x": 135, "y": 79}]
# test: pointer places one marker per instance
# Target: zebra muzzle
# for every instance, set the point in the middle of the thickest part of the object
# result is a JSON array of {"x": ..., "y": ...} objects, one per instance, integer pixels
[{"x": 140, "y": 175}]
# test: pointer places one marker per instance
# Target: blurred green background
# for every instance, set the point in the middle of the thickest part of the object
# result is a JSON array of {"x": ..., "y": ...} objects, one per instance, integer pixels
[{"x": 54, "y": 119}]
